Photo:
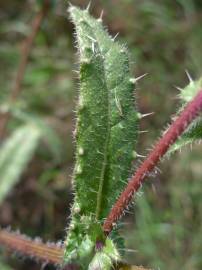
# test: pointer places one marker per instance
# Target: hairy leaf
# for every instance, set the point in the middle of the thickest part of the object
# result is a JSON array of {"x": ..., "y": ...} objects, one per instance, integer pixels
[
  {"x": 194, "y": 132},
  {"x": 15, "y": 154},
  {"x": 106, "y": 128},
  {"x": 190, "y": 91},
  {"x": 106, "y": 135},
  {"x": 192, "y": 135}
]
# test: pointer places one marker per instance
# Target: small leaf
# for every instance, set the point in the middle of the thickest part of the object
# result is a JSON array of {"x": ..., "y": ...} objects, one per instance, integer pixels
[
  {"x": 104, "y": 259},
  {"x": 193, "y": 134},
  {"x": 190, "y": 91},
  {"x": 15, "y": 154},
  {"x": 194, "y": 131}
]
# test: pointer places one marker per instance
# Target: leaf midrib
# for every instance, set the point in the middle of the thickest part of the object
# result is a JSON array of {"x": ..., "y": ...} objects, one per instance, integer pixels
[{"x": 105, "y": 160}]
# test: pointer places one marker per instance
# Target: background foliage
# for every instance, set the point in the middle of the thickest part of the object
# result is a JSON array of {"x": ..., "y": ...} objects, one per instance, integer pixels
[{"x": 164, "y": 38}]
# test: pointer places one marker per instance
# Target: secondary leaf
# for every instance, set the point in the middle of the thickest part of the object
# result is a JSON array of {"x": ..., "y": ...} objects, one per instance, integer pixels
[
  {"x": 15, "y": 154},
  {"x": 47, "y": 133}
]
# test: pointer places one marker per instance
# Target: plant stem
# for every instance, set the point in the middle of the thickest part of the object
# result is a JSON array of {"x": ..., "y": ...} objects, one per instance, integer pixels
[
  {"x": 47, "y": 253},
  {"x": 190, "y": 112},
  {"x": 23, "y": 63}
]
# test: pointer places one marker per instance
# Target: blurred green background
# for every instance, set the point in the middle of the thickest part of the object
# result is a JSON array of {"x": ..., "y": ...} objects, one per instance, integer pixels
[{"x": 164, "y": 38}]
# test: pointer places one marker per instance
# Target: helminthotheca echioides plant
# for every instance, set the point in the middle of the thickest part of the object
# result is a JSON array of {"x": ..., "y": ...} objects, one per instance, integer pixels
[{"x": 106, "y": 134}]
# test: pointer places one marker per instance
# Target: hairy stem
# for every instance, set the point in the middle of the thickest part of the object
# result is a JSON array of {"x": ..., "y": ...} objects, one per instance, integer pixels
[
  {"x": 47, "y": 253},
  {"x": 23, "y": 63},
  {"x": 178, "y": 126}
]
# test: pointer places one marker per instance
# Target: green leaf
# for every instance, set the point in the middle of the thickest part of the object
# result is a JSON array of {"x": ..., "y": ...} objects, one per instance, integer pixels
[
  {"x": 106, "y": 135},
  {"x": 190, "y": 91},
  {"x": 194, "y": 131},
  {"x": 193, "y": 134},
  {"x": 104, "y": 259},
  {"x": 15, "y": 154},
  {"x": 106, "y": 131}
]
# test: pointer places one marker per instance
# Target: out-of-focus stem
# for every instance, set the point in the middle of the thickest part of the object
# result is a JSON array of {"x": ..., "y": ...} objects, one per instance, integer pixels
[
  {"x": 47, "y": 253},
  {"x": 4, "y": 118}
]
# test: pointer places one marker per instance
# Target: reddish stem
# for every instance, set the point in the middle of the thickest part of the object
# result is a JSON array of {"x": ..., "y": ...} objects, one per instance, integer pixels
[
  {"x": 28, "y": 43},
  {"x": 47, "y": 253},
  {"x": 190, "y": 112}
]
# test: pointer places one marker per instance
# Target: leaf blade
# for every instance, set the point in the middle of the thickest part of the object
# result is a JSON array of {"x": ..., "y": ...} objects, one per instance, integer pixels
[{"x": 15, "y": 155}]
